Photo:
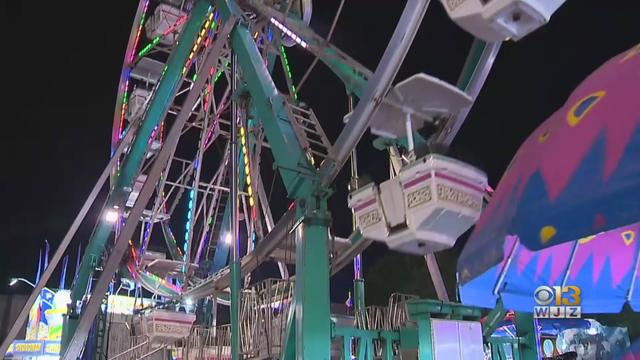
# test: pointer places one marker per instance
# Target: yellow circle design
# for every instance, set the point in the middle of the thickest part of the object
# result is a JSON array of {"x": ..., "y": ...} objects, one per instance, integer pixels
[
  {"x": 546, "y": 233},
  {"x": 574, "y": 119},
  {"x": 628, "y": 237}
]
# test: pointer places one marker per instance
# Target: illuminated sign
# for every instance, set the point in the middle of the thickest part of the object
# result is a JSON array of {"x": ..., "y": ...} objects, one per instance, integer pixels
[
  {"x": 557, "y": 302},
  {"x": 118, "y": 304},
  {"x": 33, "y": 348},
  {"x": 52, "y": 348}
]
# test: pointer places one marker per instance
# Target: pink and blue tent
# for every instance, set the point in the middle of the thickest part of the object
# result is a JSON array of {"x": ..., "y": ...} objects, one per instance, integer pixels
[
  {"x": 577, "y": 175},
  {"x": 604, "y": 266}
]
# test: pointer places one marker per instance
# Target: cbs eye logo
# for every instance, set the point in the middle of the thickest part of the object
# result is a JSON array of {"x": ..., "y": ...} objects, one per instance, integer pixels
[{"x": 558, "y": 295}]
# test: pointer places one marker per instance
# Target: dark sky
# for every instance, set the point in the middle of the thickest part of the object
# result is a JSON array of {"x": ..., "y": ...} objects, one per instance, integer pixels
[{"x": 63, "y": 59}]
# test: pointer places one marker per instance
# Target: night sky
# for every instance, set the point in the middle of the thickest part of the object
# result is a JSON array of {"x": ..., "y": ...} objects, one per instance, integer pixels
[{"x": 63, "y": 61}]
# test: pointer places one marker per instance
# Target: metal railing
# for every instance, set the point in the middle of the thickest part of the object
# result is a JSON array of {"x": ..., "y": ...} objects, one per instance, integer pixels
[
  {"x": 264, "y": 310},
  {"x": 390, "y": 317}
]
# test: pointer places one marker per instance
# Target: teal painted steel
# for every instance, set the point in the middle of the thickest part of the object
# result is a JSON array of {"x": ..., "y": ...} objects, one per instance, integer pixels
[
  {"x": 313, "y": 322},
  {"x": 158, "y": 106},
  {"x": 425, "y": 341},
  {"x": 494, "y": 317},
  {"x": 235, "y": 303},
  {"x": 358, "y": 294},
  {"x": 289, "y": 345},
  {"x": 471, "y": 64},
  {"x": 526, "y": 332},
  {"x": 297, "y": 173}
]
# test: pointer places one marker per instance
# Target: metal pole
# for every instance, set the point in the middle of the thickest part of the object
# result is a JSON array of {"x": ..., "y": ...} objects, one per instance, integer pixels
[
  {"x": 40, "y": 284},
  {"x": 357, "y": 263},
  {"x": 358, "y": 280},
  {"x": 436, "y": 277},
  {"x": 526, "y": 330},
  {"x": 409, "y": 129},
  {"x": 235, "y": 239},
  {"x": 377, "y": 87}
]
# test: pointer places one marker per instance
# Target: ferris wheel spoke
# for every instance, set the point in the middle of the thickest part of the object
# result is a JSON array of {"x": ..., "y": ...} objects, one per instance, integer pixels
[
  {"x": 353, "y": 74},
  {"x": 327, "y": 39}
]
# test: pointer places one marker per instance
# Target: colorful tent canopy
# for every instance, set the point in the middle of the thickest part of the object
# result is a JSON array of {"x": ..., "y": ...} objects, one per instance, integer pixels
[
  {"x": 604, "y": 267},
  {"x": 577, "y": 174}
]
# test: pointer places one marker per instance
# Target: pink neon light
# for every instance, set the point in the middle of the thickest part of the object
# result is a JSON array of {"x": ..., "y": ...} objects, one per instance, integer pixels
[
  {"x": 135, "y": 43},
  {"x": 173, "y": 27}
]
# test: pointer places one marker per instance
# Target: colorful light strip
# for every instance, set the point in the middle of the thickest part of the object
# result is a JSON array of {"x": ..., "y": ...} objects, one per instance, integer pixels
[
  {"x": 210, "y": 34},
  {"x": 245, "y": 159},
  {"x": 196, "y": 46},
  {"x": 289, "y": 33},
  {"x": 157, "y": 39},
  {"x": 135, "y": 43},
  {"x": 285, "y": 60},
  {"x": 149, "y": 46},
  {"x": 123, "y": 111},
  {"x": 125, "y": 97},
  {"x": 189, "y": 221}
]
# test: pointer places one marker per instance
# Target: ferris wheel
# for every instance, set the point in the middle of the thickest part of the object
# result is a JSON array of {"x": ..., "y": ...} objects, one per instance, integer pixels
[
  {"x": 198, "y": 121},
  {"x": 190, "y": 207}
]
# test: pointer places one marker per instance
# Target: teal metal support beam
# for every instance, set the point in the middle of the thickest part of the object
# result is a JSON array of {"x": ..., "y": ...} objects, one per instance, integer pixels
[
  {"x": 427, "y": 307},
  {"x": 289, "y": 344},
  {"x": 156, "y": 111},
  {"x": 358, "y": 294},
  {"x": 297, "y": 173},
  {"x": 526, "y": 332},
  {"x": 492, "y": 320},
  {"x": 313, "y": 322},
  {"x": 425, "y": 349},
  {"x": 235, "y": 235},
  {"x": 471, "y": 64},
  {"x": 474, "y": 73},
  {"x": 408, "y": 341}
]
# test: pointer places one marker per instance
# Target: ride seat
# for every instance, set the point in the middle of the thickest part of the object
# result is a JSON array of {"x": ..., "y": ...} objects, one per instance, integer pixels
[
  {"x": 498, "y": 20},
  {"x": 425, "y": 208}
]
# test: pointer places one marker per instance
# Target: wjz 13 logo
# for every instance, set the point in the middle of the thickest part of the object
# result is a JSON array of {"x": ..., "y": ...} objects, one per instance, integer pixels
[{"x": 557, "y": 302}]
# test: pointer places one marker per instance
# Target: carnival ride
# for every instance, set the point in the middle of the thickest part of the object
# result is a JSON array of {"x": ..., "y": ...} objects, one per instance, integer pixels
[{"x": 197, "y": 110}]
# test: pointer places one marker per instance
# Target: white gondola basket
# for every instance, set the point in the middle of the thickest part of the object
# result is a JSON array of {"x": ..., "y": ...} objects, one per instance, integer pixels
[
  {"x": 164, "y": 325},
  {"x": 497, "y": 20},
  {"x": 164, "y": 18},
  {"x": 425, "y": 208}
]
